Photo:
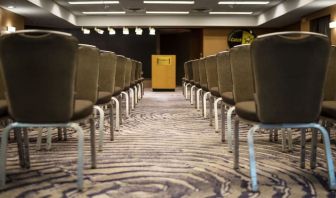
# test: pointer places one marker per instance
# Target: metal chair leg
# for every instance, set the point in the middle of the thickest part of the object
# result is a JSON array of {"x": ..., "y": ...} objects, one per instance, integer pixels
[
  {"x": 216, "y": 114},
  {"x": 229, "y": 127},
  {"x": 253, "y": 169},
  {"x": 236, "y": 143}
]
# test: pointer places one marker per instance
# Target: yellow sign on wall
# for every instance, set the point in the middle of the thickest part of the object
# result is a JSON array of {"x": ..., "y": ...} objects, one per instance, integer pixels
[{"x": 163, "y": 71}]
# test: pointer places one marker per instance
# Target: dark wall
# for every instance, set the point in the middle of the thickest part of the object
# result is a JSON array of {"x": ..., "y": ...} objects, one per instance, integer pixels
[
  {"x": 138, "y": 47},
  {"x": 185, "y": 45}
]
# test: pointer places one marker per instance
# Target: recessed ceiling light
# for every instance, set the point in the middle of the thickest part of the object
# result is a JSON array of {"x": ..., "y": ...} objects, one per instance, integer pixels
[
  {"x": 166, "y": 12},
  {"x": 169, "y": 2},
  {"x": 11, "y": 7},
  {"x": 244, "y": 2},
  {"x": 113, "y": 12},
  {"x": 92, "y": 2},
  {"x": 230, "y": 12}
]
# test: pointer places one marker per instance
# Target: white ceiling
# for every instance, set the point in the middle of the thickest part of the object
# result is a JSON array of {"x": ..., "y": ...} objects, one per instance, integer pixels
[{"x": 58, "y": 13}]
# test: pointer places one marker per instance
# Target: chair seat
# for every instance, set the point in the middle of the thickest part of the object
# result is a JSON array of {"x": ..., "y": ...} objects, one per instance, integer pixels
[
  {"x": 215, "y": 91},
  {"x": 117, "y": 91},
  {"x": 3, "y": 108},
  {"x": 227, "y": 98},
  {"x": 247, "y": 110},
  {"x": 329, "y": 109},
  {"x": 103, "y": 97},
  {"x": 83, "y": 108}
]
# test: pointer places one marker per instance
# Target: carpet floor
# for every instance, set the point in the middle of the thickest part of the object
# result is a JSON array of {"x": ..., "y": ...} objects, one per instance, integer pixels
[{"x": 166, "y": 149}]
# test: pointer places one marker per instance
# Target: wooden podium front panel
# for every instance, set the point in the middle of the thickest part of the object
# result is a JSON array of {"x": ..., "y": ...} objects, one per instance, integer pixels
[{"x": 163, "y": 71}]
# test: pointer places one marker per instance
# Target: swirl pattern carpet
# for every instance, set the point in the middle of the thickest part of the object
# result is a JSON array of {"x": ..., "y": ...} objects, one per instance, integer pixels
[{"x": 165, "y": 149}]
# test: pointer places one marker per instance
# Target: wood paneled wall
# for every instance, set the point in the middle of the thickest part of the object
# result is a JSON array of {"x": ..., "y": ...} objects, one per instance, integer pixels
[
  {"x": 305, "y": 22},
  {"x": 8, "y": 18}
]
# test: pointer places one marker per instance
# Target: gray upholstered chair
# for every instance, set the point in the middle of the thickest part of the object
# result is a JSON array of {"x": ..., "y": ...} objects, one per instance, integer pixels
[
  {"x": 106, "y": 82},
  {"x": 328, "y": 115},
  {"x": 118, "y": 88},
  {"x": 225, "y": 87},
  {"x": 197, "y": 84},
  {"x": 127, "y": 84},
  {"x": 133, "y": 85},
  {"x": 185, "y": 80},
  {"x": 86, "y": 87},
  {"x": 204, "y": 85},
  {"x": 289, "y": 70},
  {"x": 35, "y": 76},
  {"x": 140, "y": 80},
  {"x": 212, "y": 78}
]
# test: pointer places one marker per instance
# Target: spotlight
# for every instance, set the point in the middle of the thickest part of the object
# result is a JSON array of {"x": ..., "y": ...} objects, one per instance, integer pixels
[
  {"x": 86, "y": 31},
  {"x": 99, "y": 31},
  {"x": 125, "y": 31},
  {"x": 111, "y": 31},
  {"x": 151, "y": 31},
  {"x": 11, "y": 29},
  {"x": 138, "y": 31}
]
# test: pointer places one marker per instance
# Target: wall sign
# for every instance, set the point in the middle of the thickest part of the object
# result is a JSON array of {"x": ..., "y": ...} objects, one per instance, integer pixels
[{"x": 238, "y": 37}]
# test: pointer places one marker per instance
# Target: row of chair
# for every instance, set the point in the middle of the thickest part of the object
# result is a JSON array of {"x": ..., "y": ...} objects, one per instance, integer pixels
[
  {"x": 49, "y": 80},
  {"x": 277, "y": 82}
]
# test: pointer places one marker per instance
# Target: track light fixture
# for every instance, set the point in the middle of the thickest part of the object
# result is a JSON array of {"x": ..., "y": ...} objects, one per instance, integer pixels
[
  {"x": 151, "y": 31},
  {"x": 99, "y": 31},
  {"x": 138, "y": 31},
  {"x": 125, "y": 30},
  {"x": 111, "y": 31},
  {"x": 86, "y": 31}
]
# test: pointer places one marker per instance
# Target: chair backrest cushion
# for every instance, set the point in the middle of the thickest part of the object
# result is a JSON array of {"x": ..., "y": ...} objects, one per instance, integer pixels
[
  {"x": 87, "y": 73},
  {"x": 211, "y": 71},
  {"x": 39, "y": 74},
  {"x": 289, "y": 71},
  {"x": 107, "y": 71},
  {"x": 120, "y": 72},
  {"x": 242, "y": 75},
  {"x": 330, "y": 84},
  {"x": 224, "y": 72}
]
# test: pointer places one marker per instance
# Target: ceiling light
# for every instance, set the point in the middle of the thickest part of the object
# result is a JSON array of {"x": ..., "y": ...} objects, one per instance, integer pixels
[
  {"x": 125, "y": 31},
  {"x": 99, "y": 31},
  {"x": 332, "y": 24},
  {"x": 243, "y": 2},
  {"x": 230, "y": 12},
  {"x": 138, "y": 31},
  {"x": 169, "y": 2},
  {"x": 11, "y": 7},
  {"x": 113, "y": 12},
  {"x": 86, "y": 31},
  {"x": 166, "y": 12},
  {"x": 111, "y": 31},
  {"x": 92, "y": 2},
  {"x": 151, "y": 31}
]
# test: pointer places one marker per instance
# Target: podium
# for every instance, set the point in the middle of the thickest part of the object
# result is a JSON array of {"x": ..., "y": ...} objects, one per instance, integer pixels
[{"x": 163, "y": 72}]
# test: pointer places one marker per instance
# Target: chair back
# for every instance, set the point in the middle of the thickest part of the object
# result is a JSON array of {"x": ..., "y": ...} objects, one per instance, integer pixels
[
  {"x": 120, "y": 72},
  {"x": 211, "y": 71},
  {"x": 128, "y": 73},
  {"x": 38, "y": 68},
  {"x": 202, "y": 73},
  {"x": 107, "y": 71},
  {"x": 224, "y": 72},
  {"x": 289, "y": 71},
  {"x": 330, "y": 84},
  {"x": 87, "y": 74},
  {"x": 195, "y": 68},
  {"x": 133, "y": 73},
  {"x": 242, "y": 75}
]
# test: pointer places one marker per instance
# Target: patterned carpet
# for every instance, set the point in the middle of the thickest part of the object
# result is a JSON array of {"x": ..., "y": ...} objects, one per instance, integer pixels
[{"x": 165, "y": 149}]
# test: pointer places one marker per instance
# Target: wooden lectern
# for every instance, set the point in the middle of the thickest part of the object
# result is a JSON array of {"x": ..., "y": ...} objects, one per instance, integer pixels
[{"x": 163, "y": 72}]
